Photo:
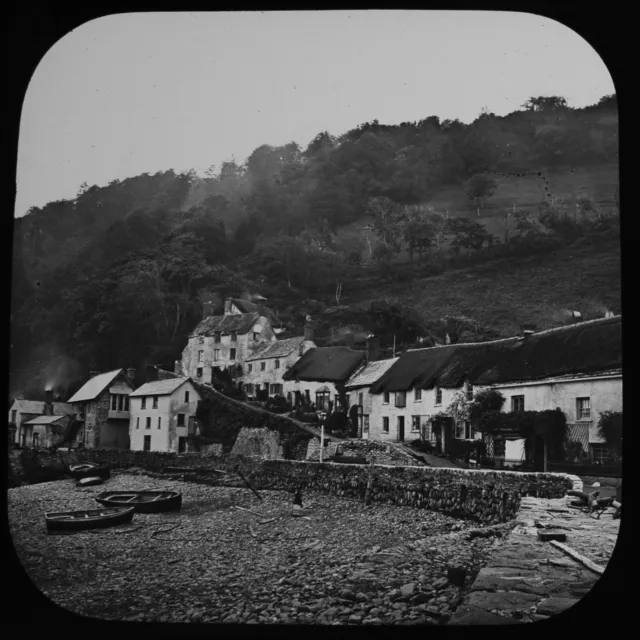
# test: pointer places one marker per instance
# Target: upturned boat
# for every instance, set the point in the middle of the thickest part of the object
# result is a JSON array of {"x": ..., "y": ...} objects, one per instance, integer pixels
[
  {"x": 64, "y": 521},
  {"x": 148, "y": 501},
  {"x": 89, "y": 470}
]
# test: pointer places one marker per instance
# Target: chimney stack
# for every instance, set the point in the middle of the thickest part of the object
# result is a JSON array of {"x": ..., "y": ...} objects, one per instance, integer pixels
[
  {"x": 373, "y": 348},
  {"x": 177, "y": 367},
  {"x": 131, "y": 376},
  {"x": 227, "y": 306},
  {"x": 308, "y": 329},
  {"x": 48, "y": 402}
]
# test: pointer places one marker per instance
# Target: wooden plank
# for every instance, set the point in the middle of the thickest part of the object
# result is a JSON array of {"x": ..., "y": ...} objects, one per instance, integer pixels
[{"x": 596, "y": 568}]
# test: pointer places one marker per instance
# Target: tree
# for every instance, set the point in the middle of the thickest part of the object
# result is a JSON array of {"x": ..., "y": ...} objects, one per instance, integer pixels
[
  {"x": 468, "y": 234},
  {"x": 480, "y": 187},
  {"x": 387, "y": 224},
  {"x": 545, "y": 103},
  {"x": 610, "y": 430}
]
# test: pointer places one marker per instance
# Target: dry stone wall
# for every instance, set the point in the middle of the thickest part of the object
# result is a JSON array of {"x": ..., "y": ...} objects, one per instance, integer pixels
[{"x": 379, "y": 452}]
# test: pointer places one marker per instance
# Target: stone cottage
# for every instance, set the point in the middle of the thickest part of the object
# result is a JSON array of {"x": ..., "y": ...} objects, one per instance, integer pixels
[
  {"x": 22, "y": 413},
  {"x": 163, "y": 415},
  {"x": 102, "y": 409},
  {"x": 219, "y": 346},
  {"x": 264, "y": 369},
  {"x": 319, "y": 376}
]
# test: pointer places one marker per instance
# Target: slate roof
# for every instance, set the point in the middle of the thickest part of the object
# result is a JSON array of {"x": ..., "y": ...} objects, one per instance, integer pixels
[
  {"x": 578, "y": 349},
  {"x": 367, "y": 375},
  {"x": 44, "y": 419},
  {"x": 240, "y": 323},
  {"x": 326, "y": 364},
  {"x": 245, "y": 306},
  {"x": 278, "y": 349},
  {"x": 95, "y": 386},
  {"x": 159, "y": 387},
  {"x": 36, "y": 407}
]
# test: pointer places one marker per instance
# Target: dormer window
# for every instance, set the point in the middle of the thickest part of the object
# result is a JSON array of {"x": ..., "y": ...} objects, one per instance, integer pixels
[
  {"x": 234, "y": 336},
  {"x": 217, "y": 337}
]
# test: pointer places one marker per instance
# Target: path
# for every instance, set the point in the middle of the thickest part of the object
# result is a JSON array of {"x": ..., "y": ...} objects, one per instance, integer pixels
[{"x": 527, "y": 580}]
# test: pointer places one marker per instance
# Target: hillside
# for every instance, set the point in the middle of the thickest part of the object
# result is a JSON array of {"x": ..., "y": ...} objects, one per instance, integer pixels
[{"x": 471, "y": 230}]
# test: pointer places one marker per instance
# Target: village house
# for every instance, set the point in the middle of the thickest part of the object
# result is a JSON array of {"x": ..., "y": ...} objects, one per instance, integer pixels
[
  {"x": 319, "y": 376},
  {"x": 219, "y": 346},
  {"x": 48, "y": 415},
  {"x": 576, "y": 368},
  {"x": 163, "y": 415},
  {"x": 101, "y": 409},
  {"x": 253, "y": 304},
  {"x": 264, "y": 370}
]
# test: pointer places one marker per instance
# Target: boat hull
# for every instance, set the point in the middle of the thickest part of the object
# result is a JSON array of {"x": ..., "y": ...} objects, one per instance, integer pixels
[
  {"x": 142, "y": 501},
  {"x": 80, "y": 471},
  {"x": 87, "y": 519},
  {"x": 89, "y": 482}
]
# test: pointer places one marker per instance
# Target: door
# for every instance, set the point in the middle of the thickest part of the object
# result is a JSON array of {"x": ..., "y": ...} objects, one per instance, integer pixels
[
  {"x": 401, "y": 428},
  {"x": 147, "y": 443},
  {"x": 182, "y": 444},
  {"x": 36, "y": 439}
]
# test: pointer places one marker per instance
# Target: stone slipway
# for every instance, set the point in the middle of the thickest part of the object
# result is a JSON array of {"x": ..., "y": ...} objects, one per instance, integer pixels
[{"x": 527, "y": 580}]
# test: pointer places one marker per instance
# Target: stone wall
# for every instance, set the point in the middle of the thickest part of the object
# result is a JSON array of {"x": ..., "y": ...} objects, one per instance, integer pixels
[
  {"x": 259, "y": 443},
  {"x": 485, "y": 496},
  {"x": 380, "y": 452}
]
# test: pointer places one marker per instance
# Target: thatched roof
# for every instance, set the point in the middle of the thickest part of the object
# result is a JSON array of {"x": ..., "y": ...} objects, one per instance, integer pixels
[
  {"x": 326, "y": 364},
  {"x": 587, "y": 347}
]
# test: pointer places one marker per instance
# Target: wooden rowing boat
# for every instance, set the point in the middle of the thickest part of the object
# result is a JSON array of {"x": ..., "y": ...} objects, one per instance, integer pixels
[
  {"x": 88, "y": 470},
  {"x": 87, "y": 519},
  {"x": 89, "y": 482},
  {"x": 143, "y": 501}
]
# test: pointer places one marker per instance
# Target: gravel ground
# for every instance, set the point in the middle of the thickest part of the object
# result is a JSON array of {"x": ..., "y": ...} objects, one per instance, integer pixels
[{"x": 343, "y": 563}]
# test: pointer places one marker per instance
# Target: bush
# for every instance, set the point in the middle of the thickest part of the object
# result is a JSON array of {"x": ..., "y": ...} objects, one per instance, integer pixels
[
  {"x": 610, "y": 430},
  {"x": 277, "y": 404},
  {"x": 423, "y": 446}
]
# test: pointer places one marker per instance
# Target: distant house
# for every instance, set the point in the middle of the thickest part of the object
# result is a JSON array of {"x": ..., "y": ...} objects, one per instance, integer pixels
[
  {"x": 22, "y": 412},
  {"x": 358, "y": 389},
  {"x": 48, "y": 431},
  {"x": 319, "y": 376},
  {"x": 163, "y": 415},
  {"x": 239, "y": 306},
  {"x": 223, "y": 343},
  {"x": 576, "y": 368},
  {"x": 264, "y": 369},
  {"x": 102, "y": 409}
]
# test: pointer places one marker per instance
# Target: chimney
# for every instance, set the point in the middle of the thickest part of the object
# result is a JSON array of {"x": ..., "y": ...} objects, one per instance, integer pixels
[
  {"x": 576, "y": 316},
  {"x": 308, "y": 329},
  {"x": 227, "y": 306},
  {"x": 373, "y": 348},
  {"x": 131, "y": 376},
  {"x": 93, "y": 374},
  {"x": 177, "y": 367},
  {"x": 48, "y": 402}
]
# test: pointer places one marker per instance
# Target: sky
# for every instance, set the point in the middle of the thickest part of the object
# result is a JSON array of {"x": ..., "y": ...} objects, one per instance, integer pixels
[{"x": 145, "y": 92}]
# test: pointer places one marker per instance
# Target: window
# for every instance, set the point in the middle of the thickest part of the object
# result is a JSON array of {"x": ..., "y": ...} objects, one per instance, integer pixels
[
  {"x": 415, "y": 423},
  {"x": 159, "y": 422},
  {"x": 365, "y": 424},
  {"x": 248, "y": 389},
  {"x": 463, "y": 430},
  {"x": 322, "y": 400},
  {"x": 234, "y": 336},
  {"x": 385, "y": 425},
  {"x": 114, "y": 402},
  {"x": 200, "y": 356},
  {"x": 232, "y": 354},
  {"x": 417, "y": 395},
  {"x": 276, "y": 389},
  {"x": 401, "y": 398},
  {"x": 438, "y": 396},
  {"x": 263, "y": 366},
  {"x": 256, "y": 335},
  {"x": 199, "y": 372},
  {"x": 181, "y": 419},
  {"x": 143, "y": 403},
  {"x": 517, "y": 403},
  {"x": 216, "y": 355},
  {"x": 148, "y": 423},
  {"x": 360, "y": 399},
  {"x": 186, "y": 396},
  {"x": 583, "y": 408},
  {"x": 601, "y": 453},
  {"x": 469, "y": 392},
  {"x": 277, "y": 364},
  {"x": 137, "y": 423},
  {"x": 126, "y": 403},
  {"x": 120, "y": 403},
  {"x": 155, "y": 402},
  {"x": 147, "y": 443},
  {"x": 217, "y": 337},
  {"x": 385, "y": 400},
  {"x": 14, "y": 413}
]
